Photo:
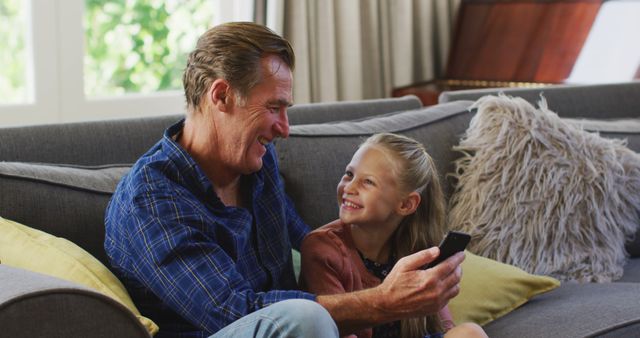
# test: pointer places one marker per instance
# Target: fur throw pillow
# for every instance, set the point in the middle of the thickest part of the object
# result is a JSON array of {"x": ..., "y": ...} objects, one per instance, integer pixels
[{"x": 543, "y": 195}]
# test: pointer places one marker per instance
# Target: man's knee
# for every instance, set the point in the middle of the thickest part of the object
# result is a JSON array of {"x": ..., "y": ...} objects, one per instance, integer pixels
[
  {"x": 309, "y": 318},
  {"x": 288, "y": 318}
]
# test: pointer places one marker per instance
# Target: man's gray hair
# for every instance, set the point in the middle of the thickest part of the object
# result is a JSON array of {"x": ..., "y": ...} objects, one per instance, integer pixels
[{"x": 232, "y": 52}]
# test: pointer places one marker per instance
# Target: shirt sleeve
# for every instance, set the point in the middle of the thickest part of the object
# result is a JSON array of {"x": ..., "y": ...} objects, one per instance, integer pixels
[
  {"x": 322, "y": 264},
  {"x": 183, "y": 265},
  {"x": 298, "y": 229}
]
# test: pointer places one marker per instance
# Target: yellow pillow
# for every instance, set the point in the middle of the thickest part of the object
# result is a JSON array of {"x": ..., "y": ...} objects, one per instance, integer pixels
[
  {"x": 34, "y": 250},
  {"x": 490, "y": 289}
]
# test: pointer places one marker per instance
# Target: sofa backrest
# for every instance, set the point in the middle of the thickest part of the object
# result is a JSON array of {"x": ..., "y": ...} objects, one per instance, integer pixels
[
  {"x": 64, "y": 201},
  {"x": 309, "y": 113},
  {"x": 124, "y": 140},
  {"x": 85, "y": 143},
  {"x": 613, "y": 100},
  {"x": 59, "y": 178}
]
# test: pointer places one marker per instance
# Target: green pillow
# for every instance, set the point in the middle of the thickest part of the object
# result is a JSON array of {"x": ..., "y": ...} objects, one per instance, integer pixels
[
  {"x": 490, "y": 289},
  {"x": 34, "y": 250}
]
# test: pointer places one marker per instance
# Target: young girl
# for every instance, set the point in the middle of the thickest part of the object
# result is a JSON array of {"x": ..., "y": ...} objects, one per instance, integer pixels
[{"x": 391, "y": 205}]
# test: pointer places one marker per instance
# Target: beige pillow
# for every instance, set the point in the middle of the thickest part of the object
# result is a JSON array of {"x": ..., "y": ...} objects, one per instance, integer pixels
[
  {"x": 544, "y": 195},
  {"x": 509, "y": 288},
  {"x": 34, "y": 250}
]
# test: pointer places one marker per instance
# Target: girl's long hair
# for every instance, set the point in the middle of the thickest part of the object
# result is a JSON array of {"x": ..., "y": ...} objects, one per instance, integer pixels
[{"x": 415, "y": 171}]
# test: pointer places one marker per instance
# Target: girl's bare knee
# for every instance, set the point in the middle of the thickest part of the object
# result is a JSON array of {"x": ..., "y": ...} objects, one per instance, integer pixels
[{"x": 466, "y": 330}]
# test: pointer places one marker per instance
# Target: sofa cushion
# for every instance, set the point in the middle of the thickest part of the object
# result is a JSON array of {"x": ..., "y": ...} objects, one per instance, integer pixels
[
  {"x": 64, "y": 201},
  {"x": 575, "y": 310},
  {"x": 34, "y": 250},
  {"x": 532, "y": 183},
  {"x": 313, "y": 158},
  {"x": 631, "y": 271},
  {"x": 626, "y": 129},
  {"x": 510, "y": 288}
]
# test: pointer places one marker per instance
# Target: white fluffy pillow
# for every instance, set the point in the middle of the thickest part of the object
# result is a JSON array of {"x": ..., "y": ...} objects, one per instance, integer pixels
[{"x": 543, "y": 195}]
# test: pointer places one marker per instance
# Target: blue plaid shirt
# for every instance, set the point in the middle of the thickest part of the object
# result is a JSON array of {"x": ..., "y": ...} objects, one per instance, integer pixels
[{"x": 190, "y": 263}]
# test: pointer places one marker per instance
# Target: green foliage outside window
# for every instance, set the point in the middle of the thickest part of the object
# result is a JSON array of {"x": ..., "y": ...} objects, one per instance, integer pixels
[
  {"x": 140, "y": 46},
  {"x": 12, "y": 52}
]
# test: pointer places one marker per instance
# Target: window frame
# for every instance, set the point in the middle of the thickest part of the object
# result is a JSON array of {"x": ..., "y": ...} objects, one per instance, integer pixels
[{"x": 55, "y": 49}]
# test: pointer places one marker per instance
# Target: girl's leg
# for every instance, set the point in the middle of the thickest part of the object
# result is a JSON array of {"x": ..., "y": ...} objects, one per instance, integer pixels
[{"x": 466, "y": 330}]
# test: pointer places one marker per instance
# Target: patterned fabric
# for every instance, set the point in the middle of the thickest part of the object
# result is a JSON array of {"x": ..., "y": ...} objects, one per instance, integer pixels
[
  {"x": 388, "y": 330},
  {"x": 380, "y": 270},
  {"x": 192, "y": 264}
]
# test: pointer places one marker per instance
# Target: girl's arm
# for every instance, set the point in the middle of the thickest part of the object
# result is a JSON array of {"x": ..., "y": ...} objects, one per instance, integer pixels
[
  {"x": 446, "y": 318},
  {"x": 322, "y": 264},
  {"x": 408, "y": 291}
]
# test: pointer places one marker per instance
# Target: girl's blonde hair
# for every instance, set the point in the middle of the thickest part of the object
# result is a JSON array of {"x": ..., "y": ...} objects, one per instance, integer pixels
[{"x": 415, "y": 171}]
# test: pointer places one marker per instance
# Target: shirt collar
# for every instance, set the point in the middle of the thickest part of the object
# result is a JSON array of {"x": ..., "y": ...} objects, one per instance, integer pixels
[
  {"x": 189, "y": 170},
  {"x": 192, "y": 171}
]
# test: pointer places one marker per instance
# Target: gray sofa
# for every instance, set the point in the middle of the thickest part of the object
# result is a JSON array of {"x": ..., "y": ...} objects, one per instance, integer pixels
[{"x": 61, "y": 178}]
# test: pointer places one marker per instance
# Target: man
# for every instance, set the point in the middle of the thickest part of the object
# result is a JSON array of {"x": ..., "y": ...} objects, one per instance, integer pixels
[{"x": 200, "y": 230}]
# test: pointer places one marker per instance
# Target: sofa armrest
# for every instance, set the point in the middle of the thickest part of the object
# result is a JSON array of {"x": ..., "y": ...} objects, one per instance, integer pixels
[{"x": 36, "y": 305}]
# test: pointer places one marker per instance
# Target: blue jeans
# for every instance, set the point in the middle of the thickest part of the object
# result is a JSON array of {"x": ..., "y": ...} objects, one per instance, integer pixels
[{"x": 288, "y": 318}]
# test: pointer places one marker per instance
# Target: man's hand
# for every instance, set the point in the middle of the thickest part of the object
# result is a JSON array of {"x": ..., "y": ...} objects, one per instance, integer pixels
[{"x": 408, "y": 291}]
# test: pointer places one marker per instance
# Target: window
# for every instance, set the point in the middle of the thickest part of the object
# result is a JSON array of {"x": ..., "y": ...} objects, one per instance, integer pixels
[
  {"x": 139, "y": 46},
  {"x": 94, "y": 59},
  {"x": 13, "y": 58},
  {"x": 610, "y": 53}
]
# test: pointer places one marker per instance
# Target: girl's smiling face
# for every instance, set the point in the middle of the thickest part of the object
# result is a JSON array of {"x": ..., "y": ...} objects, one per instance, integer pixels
[{"x": 368, "y": 194}]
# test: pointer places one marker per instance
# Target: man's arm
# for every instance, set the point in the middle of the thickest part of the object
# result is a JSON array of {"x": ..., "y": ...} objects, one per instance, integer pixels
[
  {"x": 167, "y": 245},
  {"x": 406, "y": 292}
]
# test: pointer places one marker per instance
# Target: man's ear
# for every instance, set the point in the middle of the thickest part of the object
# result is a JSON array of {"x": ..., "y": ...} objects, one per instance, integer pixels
[
  {"x": 409, "y": 204},
  {"x": 220, "y": 95}
]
